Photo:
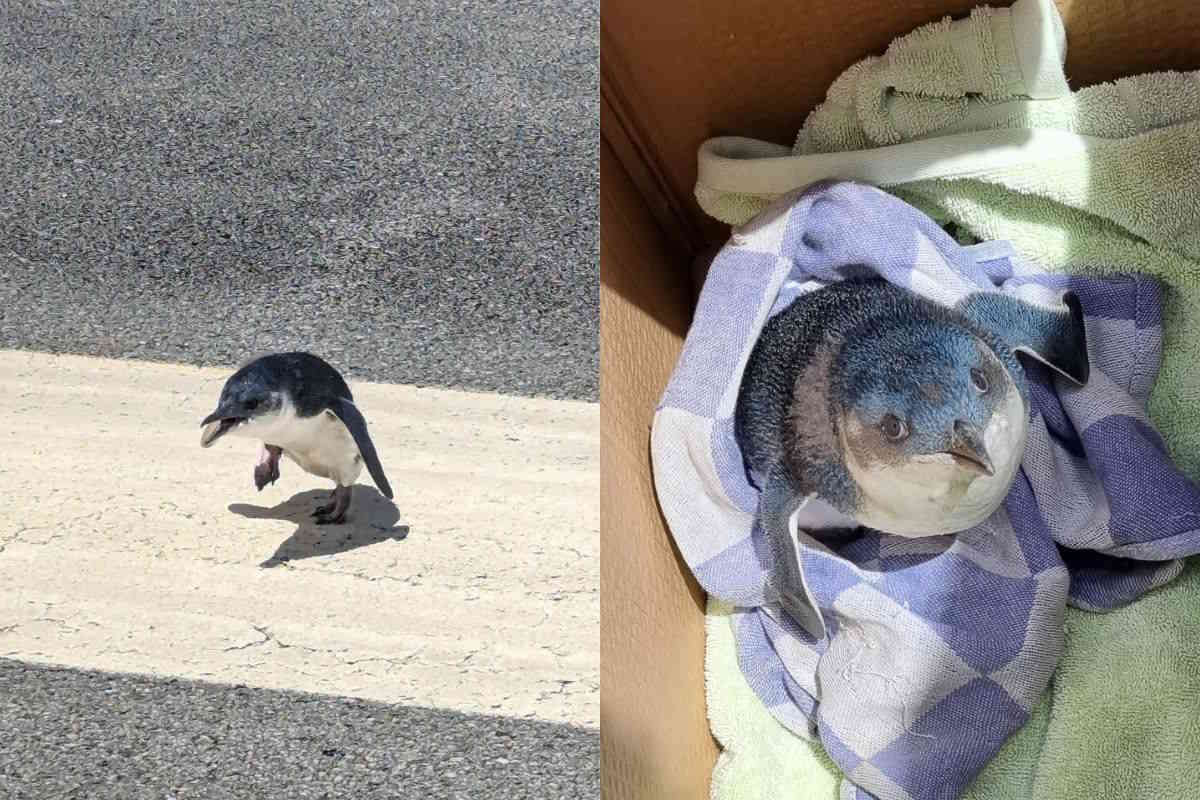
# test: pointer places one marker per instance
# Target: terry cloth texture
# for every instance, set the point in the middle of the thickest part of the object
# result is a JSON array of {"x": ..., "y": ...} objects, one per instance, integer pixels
[
  {"x": 971, "y": 121},
  {"x": 939, "y": 647}
]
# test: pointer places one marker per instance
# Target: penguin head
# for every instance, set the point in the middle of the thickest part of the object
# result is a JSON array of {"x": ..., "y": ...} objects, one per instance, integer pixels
[
  {"x": 924, "y": 409},
  {"x": 922, "y": 391},
  {"x": 247, "y": 399}
]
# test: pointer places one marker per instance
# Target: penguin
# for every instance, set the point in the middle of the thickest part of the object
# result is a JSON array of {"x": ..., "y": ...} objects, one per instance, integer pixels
[
  {"x": 863, "y": 404},
  {"x": 297, "y": 405}
]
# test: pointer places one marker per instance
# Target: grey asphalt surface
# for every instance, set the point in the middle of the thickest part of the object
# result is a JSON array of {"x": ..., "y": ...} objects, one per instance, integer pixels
[
  {"x": 407, "y": 188},
  {"x": 67, "y": 734}
]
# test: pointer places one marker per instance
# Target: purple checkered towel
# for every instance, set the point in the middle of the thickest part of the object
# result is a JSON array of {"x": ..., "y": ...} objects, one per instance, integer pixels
[{"x": 937, "y": 647}]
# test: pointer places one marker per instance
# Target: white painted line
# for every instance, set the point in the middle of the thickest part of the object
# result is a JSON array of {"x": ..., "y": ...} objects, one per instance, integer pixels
[{"x": 119, "y": 551}]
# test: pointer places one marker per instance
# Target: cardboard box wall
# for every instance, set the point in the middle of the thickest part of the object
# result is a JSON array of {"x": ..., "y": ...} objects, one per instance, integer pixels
[{"x": 673, "y": 74}]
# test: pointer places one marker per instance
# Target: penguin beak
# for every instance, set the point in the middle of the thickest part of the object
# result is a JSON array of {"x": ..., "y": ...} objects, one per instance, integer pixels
[
  {"x": 968, "y": 451},
  {"x": 216, "y": 425}
]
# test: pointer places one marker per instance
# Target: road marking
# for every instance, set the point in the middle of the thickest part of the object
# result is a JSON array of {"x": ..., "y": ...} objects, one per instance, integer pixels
[{"x": 126, "y": 547}]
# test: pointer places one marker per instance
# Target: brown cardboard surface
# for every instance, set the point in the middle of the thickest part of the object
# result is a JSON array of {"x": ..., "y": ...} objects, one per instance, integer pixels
[
  {"x": 655, "y": 742},
  {"x": 691, "y": 70}
]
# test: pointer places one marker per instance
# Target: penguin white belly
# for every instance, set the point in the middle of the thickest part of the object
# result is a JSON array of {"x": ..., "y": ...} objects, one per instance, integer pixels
[
  {"x": 322, "y": 446},
  {"x": 932, "y": 496}
]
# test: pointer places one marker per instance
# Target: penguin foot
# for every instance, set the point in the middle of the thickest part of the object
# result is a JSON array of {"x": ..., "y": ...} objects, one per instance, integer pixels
[
  {"x": 267, "y": 469},
  {"x": 323, "y": 510},
  {"x": 335, "y": 511}
]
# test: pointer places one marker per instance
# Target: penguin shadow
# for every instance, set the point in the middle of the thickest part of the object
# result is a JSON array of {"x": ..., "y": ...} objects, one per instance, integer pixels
[{"x": 371, "y": 519}]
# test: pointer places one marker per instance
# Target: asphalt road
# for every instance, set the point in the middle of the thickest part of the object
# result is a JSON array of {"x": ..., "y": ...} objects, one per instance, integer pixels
[
  {"x": 408, "y": 188},
  {"x": 69, "y": 734}
]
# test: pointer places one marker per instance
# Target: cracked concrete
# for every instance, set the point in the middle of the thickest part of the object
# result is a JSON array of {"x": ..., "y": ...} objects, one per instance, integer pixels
[{"x": 135, "y": 550}]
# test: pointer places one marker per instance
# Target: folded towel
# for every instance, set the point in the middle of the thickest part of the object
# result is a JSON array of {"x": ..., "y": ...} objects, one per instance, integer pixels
[
  {"x": 998, "y": 68},
  {"x": 939, "y": 647},
  {"x": 943, "y": 75},
  {"x": 970, "y": 121}
]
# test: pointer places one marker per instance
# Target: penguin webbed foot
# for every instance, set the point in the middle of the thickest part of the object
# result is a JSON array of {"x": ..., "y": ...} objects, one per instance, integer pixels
[
  {"x": 334, "y": 511},
  {"x": 267, "y": 469}
]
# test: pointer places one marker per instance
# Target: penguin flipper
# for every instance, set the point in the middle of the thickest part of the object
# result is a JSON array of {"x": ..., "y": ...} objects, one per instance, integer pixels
[
  {"x": 777, "y": 504},
  {"x": 352, "y": 418},
  {"x": 1055, "y": 337}
]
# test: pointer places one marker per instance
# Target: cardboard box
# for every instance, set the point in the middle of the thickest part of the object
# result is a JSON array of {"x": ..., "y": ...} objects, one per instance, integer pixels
[{"x": 672, "y": 75}]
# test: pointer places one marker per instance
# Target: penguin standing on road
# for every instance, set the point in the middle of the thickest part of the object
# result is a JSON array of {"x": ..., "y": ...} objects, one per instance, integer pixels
[{"x": 298, "y": 405}]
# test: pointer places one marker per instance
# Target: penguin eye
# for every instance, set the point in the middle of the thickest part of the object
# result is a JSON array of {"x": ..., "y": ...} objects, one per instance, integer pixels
[
  {"x": 979, "y": 380},
  {"x": 893, "y": 428},
  {"x": 251, "y": 404}
]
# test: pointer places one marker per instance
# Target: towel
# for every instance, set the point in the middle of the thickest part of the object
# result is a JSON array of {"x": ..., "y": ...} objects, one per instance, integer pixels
[
  {"x": 1079, "y": 744},
  {"x": 971, "y": 121},
  {"x": 939, "y": 647},
  {"x": 760, "y": 759},
  {"x": 1000, "y": 68}
]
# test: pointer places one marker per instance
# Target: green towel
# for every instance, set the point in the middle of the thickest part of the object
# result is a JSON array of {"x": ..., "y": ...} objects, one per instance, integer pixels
[
  {"x": 971, "y": 121},
  {"x": 1121, "y": 720}
]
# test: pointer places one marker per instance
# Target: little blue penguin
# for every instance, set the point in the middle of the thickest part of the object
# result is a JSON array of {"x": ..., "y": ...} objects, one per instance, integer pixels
[
  {"x": 865, "y": 404},
  {"x": 298, "y": 405}
]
